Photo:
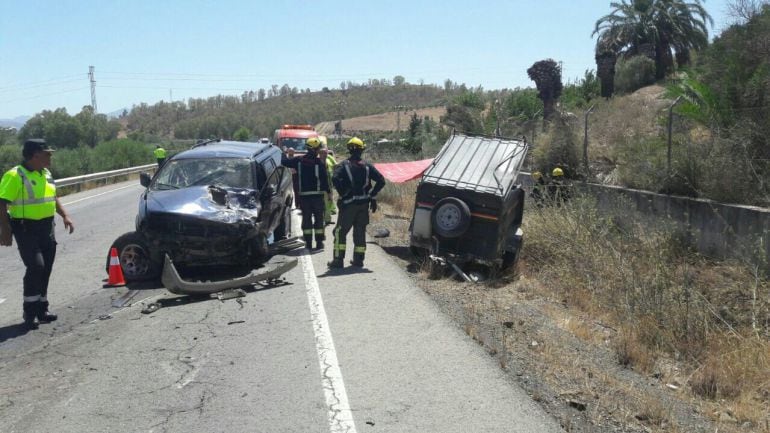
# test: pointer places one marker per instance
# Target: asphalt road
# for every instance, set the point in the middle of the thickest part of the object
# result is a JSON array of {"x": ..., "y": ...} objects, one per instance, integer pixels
[{"x": 327, "y": 352}]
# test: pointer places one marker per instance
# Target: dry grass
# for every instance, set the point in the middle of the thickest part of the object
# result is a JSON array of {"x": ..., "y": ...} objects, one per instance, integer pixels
[
  {"x": 665, "y": 301},
  {"x": 400, "y": 198}
]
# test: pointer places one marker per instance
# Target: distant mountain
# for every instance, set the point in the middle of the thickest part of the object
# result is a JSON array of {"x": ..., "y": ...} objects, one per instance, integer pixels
[{"x": 16, "y": 122}]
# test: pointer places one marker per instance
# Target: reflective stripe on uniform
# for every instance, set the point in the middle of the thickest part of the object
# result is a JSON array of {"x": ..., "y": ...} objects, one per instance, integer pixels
[
  {"x": 32, "y": 298},
  {"x": 350, "y": 176},
  {"x": 311, "y": 193},
  {"x": 43, "y": 299},
  {"x": 339, "y": 244},
  {"x": 27, "y": 183},
  {"x": 35, "y": 206},
  {"x": 359, "y": 249},
  {"x": 307, "y": 231}
]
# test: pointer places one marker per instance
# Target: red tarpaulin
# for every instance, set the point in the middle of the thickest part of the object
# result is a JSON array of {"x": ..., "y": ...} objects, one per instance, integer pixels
[{"x": 400, "y": 172}]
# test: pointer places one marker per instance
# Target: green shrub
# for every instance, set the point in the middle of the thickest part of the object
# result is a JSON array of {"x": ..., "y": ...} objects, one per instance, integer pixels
[
  {"x": 72, "y": 162},
  {"x": 634, "y": 73},
  {"x": 121, "y": 153},
  {"x": 558, "y": 148},
  {"x": 10, "y": 155}
]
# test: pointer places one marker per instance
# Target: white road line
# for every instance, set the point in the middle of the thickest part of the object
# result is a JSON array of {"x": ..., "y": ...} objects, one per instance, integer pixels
[
  {"x": 340, "y": 415},
  {"x": 97, "y": 195}
]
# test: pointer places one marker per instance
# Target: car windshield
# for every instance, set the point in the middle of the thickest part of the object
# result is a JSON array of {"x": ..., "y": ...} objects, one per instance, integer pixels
[
  {"x": 183, "y": 173},
  {"x": 294, "y": 143}
]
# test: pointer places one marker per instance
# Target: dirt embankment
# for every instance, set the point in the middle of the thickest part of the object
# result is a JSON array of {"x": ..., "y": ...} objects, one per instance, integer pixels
[
  {"x": 561, "y": 356},
  {"x": 385, "y": 122}
]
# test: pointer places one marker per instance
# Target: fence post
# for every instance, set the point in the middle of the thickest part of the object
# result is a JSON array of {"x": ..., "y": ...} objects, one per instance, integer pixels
[
  {"x": 670, "y": 126},
  {"x": 585, "y": 143}
]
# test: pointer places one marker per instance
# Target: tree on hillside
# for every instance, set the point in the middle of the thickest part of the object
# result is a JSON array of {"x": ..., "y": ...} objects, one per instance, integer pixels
[
  {"x": 654, "y": 28},
  {"x": 547, "y": 77},
  {"x": 242, "y": 134}
]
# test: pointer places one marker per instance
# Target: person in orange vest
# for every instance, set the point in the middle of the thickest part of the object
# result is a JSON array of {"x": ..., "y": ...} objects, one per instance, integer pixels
[{"x": 28, "y": 203}]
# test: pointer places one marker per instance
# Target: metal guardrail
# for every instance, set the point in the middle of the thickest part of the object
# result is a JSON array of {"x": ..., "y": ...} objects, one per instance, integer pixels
[{"x": 76, "y": 180}]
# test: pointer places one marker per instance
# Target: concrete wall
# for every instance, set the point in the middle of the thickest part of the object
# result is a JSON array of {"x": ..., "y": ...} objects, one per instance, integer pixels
[{"x": 715, "y": 229}]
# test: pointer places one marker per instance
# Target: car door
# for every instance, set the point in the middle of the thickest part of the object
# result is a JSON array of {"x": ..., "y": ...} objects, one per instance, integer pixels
[{"x": 271, "y": 197}]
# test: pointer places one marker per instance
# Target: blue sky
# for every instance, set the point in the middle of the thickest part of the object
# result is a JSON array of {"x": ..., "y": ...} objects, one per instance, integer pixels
[{"x": 147, "y": 51}]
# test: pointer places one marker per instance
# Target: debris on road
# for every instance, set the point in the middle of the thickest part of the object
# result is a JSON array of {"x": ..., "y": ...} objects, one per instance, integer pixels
[
  {"x": 235, "y": 322},
  {"x": 105, "y": 317},
  {"x": 273, "y": 268},
  {"x": 230, "y": 294},
  {"x": 125, "y": 299},
  {"x": 151, "y": 308},
  {"x": 381, "y": 233}
]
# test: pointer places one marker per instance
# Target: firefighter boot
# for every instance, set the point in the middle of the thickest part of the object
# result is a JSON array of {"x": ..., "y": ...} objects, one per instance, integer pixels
[
  {"x": 43, "y": 315},
  {"x": 319, "y": 241},
  {"x": 358, "y": 260},
  {"x": 30, "y": 314},
  {"x": 336, "y": 263},
  {"x": 308, "y": 241}
]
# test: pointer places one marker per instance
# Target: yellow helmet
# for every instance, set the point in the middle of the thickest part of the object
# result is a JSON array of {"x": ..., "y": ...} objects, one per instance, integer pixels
[
  {"x": 537, "y": 175},
  {"x": 356, "y": 143},
  {"x": 313, "y": 143},
  {"x": 557, "y": 172}
]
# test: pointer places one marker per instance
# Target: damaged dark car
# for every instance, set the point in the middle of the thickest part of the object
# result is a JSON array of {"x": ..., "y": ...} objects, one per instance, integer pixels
[{"x": 221, "y": 203}]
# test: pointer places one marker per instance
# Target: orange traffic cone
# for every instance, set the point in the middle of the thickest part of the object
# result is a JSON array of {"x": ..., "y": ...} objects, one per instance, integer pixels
[{"x": 116, "y": 272}]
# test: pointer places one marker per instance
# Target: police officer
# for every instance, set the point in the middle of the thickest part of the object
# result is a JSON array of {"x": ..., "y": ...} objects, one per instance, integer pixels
[
  {"x": 160, "y": 155},
  {"x": 313, "y": 184},
  {"x": 27, "y": 205},
  {"x": 353, "y": 182}
]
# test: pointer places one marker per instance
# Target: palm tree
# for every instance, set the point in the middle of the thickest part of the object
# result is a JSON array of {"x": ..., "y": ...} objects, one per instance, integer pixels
[
  {"x": 654, "y": 28},
  {"x": 547, "y": 77}
]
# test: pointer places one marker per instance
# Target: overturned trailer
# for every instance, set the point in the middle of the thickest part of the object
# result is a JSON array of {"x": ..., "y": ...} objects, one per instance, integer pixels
[{"x": 468, "y": 206}]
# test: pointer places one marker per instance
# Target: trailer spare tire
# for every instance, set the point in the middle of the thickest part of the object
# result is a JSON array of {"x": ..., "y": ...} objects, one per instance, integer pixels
[{"x": 450, "y": 217}]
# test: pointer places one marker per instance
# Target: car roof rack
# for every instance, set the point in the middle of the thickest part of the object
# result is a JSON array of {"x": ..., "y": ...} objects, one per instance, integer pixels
[{"x": 205, "y": 142}]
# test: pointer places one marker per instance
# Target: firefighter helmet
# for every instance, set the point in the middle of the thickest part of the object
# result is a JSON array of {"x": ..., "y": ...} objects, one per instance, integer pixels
[
  {"x": 537, "y": 175},
  {"x": 313, "y": 143},
  {"x": 356, "y": 143},
  {"x": 557, "y": 172}
]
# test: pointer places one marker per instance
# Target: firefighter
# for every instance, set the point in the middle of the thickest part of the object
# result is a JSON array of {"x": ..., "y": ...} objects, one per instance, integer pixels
[
  {"x": 313, "y": 184},
  {"x": 538, "y": 186},
  {"x": 325, "y": 154},
  {"x": 160, "y": 155},
  {"x": 353, "y": 182},
  {"x": 557, "y": 189},
  {"x": 27, "y": 205}
]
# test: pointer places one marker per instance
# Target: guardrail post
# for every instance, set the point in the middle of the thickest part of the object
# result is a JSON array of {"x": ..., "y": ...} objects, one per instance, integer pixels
[{"x": 585, "y": 143}]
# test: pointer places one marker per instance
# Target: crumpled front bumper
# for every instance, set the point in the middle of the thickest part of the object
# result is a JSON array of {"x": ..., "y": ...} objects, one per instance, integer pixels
[{"x": 274, "y": 268}]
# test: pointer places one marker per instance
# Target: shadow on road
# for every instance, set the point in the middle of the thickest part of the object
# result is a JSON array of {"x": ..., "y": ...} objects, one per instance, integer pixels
[
  {"x": 350, "y": 270},
  {"x": 12, "y": 331}
]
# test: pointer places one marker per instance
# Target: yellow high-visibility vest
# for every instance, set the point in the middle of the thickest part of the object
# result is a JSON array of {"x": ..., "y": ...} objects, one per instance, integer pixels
[
  {"x": 32, "y": 194},
  {"x": 159, "y": 153}
]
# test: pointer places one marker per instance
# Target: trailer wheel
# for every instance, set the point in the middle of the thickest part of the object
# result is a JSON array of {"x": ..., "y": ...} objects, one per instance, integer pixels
[{"x": 450, "y": 217}]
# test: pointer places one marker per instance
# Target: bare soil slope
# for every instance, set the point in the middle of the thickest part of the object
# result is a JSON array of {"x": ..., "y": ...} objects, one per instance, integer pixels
[{"x": 382, "y": 122}]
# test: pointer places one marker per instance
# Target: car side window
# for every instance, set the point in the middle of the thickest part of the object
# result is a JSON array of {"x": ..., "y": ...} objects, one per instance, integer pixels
[{"x": 274, "y": 177}]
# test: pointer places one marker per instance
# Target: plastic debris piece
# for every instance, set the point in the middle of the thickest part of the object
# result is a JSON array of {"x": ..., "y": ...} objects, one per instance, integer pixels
[{"x": 151, "y": 308}]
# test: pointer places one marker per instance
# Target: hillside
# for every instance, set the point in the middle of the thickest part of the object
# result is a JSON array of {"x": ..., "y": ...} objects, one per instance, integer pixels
[{"x": 383, "y": 122}]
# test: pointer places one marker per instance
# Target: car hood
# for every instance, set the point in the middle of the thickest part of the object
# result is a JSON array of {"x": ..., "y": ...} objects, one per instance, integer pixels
[{"x": 213, "y": 203}]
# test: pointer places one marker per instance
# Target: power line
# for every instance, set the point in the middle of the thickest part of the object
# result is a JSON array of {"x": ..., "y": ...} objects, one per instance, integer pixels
[
  {"x": 43, "y": 82},
  {"x": 9, "y": 89},
  {"x": 43, "y": 95}
]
